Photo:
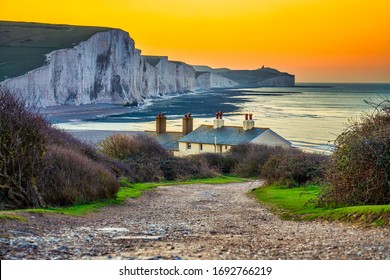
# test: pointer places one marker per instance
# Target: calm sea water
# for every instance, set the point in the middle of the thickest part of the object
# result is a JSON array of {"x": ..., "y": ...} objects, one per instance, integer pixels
[{"x": 309, "y": 115}]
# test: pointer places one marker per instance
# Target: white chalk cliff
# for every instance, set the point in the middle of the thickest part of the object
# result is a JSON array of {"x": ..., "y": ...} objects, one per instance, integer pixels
[
  {"x": 104, "y": 69},
  {"x": 207, "y": 80},
  {"x": 107, "y": 68}
]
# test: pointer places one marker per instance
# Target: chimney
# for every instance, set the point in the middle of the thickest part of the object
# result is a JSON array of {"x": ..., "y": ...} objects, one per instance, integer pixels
[
  {"x": 218, "y": 122},
  {"x": 188, "y": 124},
  {"x": 161, "y": 123},
  {"x": 248, "y": 124}
]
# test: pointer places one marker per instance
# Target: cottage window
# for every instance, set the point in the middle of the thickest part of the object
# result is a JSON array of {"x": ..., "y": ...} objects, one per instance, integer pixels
[
  {"x": 201, "y": 147},
  {"x": 220, "y": 149},
  {"x": 226, "y": 147},
  {"x": 188, "y": 146}
]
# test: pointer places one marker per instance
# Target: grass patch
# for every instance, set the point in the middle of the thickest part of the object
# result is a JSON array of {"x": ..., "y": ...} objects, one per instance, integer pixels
[
  {"x": 127, "y": 190},
  {"x": 23, "y": 45},
  {"x": 11, "y": 216},
  {"x": 299, "y": 204}
]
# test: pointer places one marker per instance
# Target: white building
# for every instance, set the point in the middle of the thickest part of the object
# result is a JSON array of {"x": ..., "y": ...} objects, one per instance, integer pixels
[{"x": 216, "y": 138}]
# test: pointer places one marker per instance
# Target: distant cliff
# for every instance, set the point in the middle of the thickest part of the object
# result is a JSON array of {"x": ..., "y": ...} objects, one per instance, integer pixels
[
  {"x": 264, "y": 76},
  {"x": 279, "y": 81},
  {"x": 107, "y": 68},
  {"x": 207, "y": 80}
]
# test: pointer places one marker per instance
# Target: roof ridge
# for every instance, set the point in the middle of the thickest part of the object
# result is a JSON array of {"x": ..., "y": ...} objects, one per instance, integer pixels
[{"x": 236, "y": 126}]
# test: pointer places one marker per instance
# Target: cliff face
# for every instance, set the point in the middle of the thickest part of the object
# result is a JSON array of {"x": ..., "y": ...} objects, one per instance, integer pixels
[
  {"x": 209, "y": 80},
  {"x": 264, "y": 76},
  {"x": 280, "y": 81},
  {"x": 105, "y": 68}
]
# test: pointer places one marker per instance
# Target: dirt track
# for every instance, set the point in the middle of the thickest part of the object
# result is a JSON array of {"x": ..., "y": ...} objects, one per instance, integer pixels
[{"x": 188, "y": 222}]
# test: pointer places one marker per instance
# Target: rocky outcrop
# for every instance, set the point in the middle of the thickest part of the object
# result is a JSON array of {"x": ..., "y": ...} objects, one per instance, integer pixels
[
  {"x": 207, "y": 80},
  {"x": 104, "y": 69}
]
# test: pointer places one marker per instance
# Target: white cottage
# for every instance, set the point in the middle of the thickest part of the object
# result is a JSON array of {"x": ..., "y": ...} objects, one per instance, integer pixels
[{"x": 216, "y": 138}]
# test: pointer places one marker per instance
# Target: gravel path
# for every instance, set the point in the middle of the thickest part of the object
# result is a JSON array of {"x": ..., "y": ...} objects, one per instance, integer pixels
[{"x": 188, "y": 222}]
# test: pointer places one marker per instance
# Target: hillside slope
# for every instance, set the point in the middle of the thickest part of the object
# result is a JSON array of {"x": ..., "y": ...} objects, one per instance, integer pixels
[
  {"x": 264, "y": 76},
  {"x": 23, "y": 45}
]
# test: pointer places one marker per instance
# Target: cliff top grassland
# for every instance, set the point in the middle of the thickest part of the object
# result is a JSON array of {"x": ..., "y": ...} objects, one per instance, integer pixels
[
  {"x": 23, "y": 45},
  {"x": 246, "y": 77}
]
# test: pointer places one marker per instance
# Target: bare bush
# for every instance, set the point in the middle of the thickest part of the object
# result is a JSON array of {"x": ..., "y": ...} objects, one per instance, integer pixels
[
  {"x": 31, "y": 175},
  {"x": 60, "y": 138},
  {"x": 119, "y": 146},
  {"x": 359, "y": 169},
  {"x": 219, "y": 163},
  {"x": 144, "y": 170},
  {"x": 72, "y": 178},
  {"x": 294, "y": 167},
  {"x": 21, "y": 153},
  {"x": 186, "y": 168},
  {"x": 250, "y": 158}
]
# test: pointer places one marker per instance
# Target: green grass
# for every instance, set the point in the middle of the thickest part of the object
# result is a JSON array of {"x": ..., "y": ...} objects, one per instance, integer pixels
[
  {"x": 11, "y": 216},
  {"x": 127, "y": 190},
  {"x": 300, "y": 204},
  {"x": 23, "y": 45}
]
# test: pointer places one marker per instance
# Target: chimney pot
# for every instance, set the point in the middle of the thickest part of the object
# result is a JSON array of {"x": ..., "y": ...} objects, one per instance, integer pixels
[
  {"x": 218, "y": 122},
  {"x": 161, "y": 123},
  {"x": 248, "y": 124},
  {"x": 187, "y": 124}
]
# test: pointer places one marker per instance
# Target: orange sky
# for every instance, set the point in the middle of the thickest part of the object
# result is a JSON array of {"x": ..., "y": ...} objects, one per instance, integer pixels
[{"x": 317, "y": 40}]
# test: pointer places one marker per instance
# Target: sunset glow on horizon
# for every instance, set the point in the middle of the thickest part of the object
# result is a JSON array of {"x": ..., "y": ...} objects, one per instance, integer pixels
[{"x": 318, "y": 41}]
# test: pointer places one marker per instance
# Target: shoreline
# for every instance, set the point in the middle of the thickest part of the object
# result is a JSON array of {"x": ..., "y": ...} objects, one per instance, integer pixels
[{"x": 70, "y": 113}]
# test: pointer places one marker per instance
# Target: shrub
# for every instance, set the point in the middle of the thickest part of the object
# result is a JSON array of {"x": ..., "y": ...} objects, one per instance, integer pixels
[
  {"x": 119, "y": 146},
  {"x": 60, "y": 138},
  {"x": 219, "y": 163},
  {"x": 143, "y": 170},
  {"x": 294, "y": 167},
  {"x": 140, "y": 154},
  {"x": 21, "y": 153},
  {"x": 43, "y": 166},
  {"x": 186, "y": 168},
  {"x": 72, "y": 178},
  {"x": 359, "y": 169},
  {"x": 250, "y": 158}
]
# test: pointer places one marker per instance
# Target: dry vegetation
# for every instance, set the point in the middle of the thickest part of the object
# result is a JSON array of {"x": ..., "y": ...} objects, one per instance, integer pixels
[
  {"x": 359, "y": 170},
  {"x": 147, "y": 161},
  {"x": 43, "y": 166}
]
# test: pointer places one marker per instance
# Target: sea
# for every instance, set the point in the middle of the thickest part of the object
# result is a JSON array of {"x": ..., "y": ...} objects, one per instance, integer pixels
[{"x": 310, "y": 116}]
